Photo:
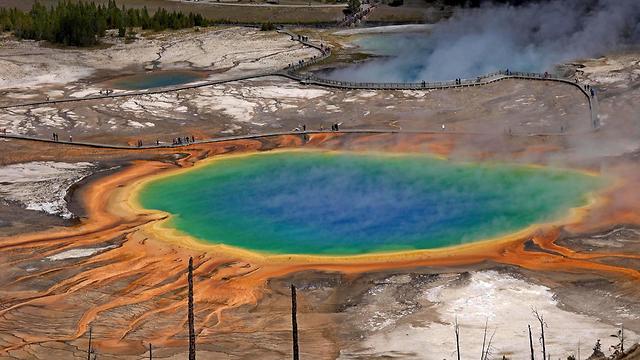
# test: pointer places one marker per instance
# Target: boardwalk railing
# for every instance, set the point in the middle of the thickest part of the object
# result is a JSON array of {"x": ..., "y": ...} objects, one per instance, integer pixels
[
  {"x": 370, "y": 131},
  {"x": 293, "y": 72}
]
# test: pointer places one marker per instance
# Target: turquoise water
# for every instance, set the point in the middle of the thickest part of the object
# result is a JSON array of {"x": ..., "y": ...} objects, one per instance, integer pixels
[
  {"x": 436, "y": 56},
  {"x": 156, "y": 79},
  {"x": 392, "y": 44},
  {"x": 343, "y": 204}
]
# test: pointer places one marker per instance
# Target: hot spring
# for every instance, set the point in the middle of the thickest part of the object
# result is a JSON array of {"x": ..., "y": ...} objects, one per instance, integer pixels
[
  {"x": 535, "y": 36},
  {"x": 417, "y": 56},
  {"x": 328, "y": 203},
  {"x": 157, "y": 79}
]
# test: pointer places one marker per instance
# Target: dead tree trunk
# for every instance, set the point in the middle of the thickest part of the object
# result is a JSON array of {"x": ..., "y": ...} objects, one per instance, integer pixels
[
  {"x": 294, "y": 323},
  {"x": 531, "y": 343},
  {"x": 578, "y": 349},
  {"x": 192, "y": 331},
  {"x": 150, "y": 353},
  {"x": 622, "y": 339},
  {"x": 457, "y": 329},
  {"x": 542, "y": 324},
  {"x": 487, "y": 352},
  {"x": 544, "y": 344},
  {"x": 484, "y": 339},
  {"x": 89, "y": 347}
]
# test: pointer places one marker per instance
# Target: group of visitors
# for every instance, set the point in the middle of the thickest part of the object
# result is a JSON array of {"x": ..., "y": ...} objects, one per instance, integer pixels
[
  {"x": 300, "y": 63},
  {"x": 458, "y": 81},
  {"x": 303, "y": 127},
  {"x": 356, "y": 17},
  {"x": 106, "y": 92},
  {"x": 56, "y": 137},
  {"x": 325, "y": 49},
  {"x": 139, "y": 143},
  {"x": 590, "y": 90},
  {"x": 183, "y": 140}
]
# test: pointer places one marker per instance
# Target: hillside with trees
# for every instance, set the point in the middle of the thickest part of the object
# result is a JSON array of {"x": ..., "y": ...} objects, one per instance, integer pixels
[{"x": 82, "y": 24}]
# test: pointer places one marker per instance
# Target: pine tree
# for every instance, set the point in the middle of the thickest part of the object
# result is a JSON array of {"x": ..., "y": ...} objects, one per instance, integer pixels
[{"x": 78, "y": 23}]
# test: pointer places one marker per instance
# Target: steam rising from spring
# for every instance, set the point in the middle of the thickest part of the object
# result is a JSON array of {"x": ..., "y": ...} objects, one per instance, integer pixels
[{"x": 532, "y": 37}]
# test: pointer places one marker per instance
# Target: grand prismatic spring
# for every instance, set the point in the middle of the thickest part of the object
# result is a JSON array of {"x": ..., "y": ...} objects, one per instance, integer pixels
[
  {"x": 173, "y": 182},
  {"x": 345, "y": 204}
]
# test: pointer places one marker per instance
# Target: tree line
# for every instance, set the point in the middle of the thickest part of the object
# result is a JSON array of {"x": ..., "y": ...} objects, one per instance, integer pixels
[{"x": 79, "y": 23}]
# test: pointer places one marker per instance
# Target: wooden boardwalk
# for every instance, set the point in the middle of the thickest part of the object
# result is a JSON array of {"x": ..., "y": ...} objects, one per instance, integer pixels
[
  {"x": 141, "y": 92},
  {"x": 272, "y": 134},
  {"x": 294, "y": 72}
]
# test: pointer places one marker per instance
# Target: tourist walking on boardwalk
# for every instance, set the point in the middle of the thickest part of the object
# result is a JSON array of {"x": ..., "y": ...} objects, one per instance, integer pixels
[{"x": 70, "y": 138}]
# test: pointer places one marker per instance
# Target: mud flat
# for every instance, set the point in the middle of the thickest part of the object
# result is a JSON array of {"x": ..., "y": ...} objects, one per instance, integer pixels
[{"x": 228, "y": 50}]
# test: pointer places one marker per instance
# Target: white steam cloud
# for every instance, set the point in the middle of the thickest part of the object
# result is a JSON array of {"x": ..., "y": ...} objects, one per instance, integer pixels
[{"x": 532, "y": 37}]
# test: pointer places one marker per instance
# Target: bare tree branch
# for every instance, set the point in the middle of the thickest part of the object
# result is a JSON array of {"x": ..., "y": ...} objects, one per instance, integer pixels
[
  {"x": 489, "y": 346},
  {"x": 540, "y": 319},
  {"x": 484, "y": 339}
]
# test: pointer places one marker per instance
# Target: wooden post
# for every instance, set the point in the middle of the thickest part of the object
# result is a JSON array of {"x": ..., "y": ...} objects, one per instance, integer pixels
[
  {"x": 531, "y": 343},
  {"x": 192, "y": 331},
  {"x": 457, "y": 329},
  {"x": 89, "y": 348},
  {"x": 294, "y": 323}
]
